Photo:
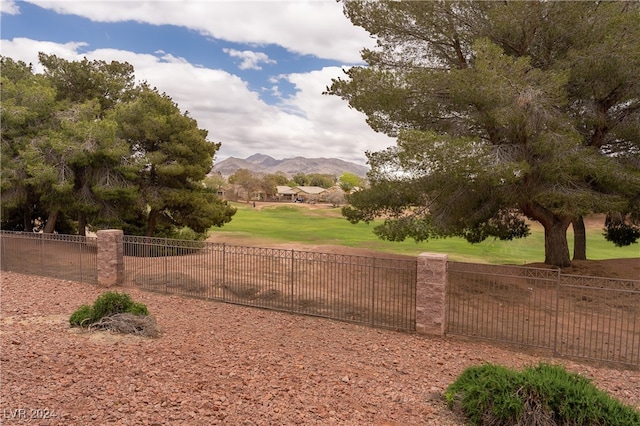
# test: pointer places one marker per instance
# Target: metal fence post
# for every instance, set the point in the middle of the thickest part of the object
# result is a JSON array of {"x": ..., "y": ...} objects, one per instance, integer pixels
[
  {"x": 292, "y": 281},
  {"x": 42, "y": 269},
  {"x": 224, "y": 271},
  {"x": 80, "y": 259},
  {"x": 164, "y": 253},
  {"x": 373, "y": 292},
  {"x": 555, "y": 331}
]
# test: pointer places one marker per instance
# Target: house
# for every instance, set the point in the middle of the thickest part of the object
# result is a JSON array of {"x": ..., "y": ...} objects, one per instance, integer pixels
[
  {"x": 303, "y": 194},
  {"x": 285, "y": 193},
  {"x": 310, "y": 194}
]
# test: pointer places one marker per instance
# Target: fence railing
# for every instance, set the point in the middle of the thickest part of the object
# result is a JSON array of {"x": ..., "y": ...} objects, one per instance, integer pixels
[
  {"x": 68, "y": 257},
  {"x": 599, "y": 318},
  {"x": 371, "y": 290},
  {"x": 577, "y": 316}
]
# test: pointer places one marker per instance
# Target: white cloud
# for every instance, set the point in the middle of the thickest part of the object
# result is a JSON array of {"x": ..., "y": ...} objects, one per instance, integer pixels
[
  {"x": 26, "y": 50},
  {"x": 9, "y": 7},
  {"x": 309, "y": 124},
  {"x": 336, "y": 127},
  {"x": 273, "y": 90},
  {"x": 250, "y": 60},
  {"x": 299, "y": 26}
]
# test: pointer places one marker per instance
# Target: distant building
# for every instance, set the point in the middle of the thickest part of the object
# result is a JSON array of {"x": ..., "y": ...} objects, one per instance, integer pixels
[
  {"x": 301, "y": 194},
  {"x": 285, "y": 193}
]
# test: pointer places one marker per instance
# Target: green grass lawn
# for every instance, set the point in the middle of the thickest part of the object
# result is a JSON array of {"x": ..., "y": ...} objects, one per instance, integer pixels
[{"x": 293, "y": 223}]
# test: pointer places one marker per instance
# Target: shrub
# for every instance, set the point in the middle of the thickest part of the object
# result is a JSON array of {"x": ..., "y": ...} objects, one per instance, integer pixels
[
  {"x": 139, "y": 309},
  {"x": 111, "y": 303},
  {"x": 82, "y": 316},
  {"x": 107, "y": 304},
  {"x": 542, "y": 395}
]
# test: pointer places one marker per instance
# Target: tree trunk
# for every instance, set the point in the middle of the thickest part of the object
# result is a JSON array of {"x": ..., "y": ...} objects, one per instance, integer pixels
[
  {"x": 556, "y": 247},
  {"x": 82, "y": 224},
  {"x": 579, "y": 239},
  {"x": 50, "y": 226},
  {"x": 26, "y": 221},
  {"x": 152, "y": 222}
]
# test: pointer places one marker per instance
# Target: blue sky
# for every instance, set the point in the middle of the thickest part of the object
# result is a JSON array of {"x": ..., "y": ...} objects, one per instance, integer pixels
[{"x": 250, "y": 72}]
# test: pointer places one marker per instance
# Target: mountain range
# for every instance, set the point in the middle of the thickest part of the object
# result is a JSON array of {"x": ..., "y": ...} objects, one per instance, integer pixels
[{"x": 260, "y": 163}]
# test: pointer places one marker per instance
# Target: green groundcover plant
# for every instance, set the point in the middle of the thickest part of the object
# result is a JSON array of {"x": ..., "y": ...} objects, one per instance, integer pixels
[
  {"x": 541, "y": 395},
  {"x": 107, "y": 305}
]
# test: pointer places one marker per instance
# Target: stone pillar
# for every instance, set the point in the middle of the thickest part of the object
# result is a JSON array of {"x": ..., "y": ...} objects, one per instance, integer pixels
[
  {"x": 110, "y": 258},
  {"x": 431, "y": 295}
]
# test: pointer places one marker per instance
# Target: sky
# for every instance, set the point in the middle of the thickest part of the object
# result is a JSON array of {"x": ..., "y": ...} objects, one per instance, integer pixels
[{"x": 252, "y": 73}]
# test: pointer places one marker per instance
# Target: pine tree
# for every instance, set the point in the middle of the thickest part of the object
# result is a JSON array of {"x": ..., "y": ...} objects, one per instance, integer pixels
[{"x": 502, "y": 110}]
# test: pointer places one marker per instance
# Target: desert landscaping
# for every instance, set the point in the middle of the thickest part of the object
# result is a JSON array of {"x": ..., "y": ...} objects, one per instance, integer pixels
[{"x": 220, "y": 363}]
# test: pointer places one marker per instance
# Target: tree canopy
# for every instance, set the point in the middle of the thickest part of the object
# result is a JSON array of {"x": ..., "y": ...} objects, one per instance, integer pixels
[
  {"x": 350, "y": 181},
  {"x": 502, "y": 111},
  {"x": 82, "y": 146},
  {"x": 248, "y": 181},
  {"x": 313, "y": 179}
]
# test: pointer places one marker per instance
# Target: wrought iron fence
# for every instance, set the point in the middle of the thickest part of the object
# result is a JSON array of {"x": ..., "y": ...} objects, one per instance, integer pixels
[
  {"x": 599, "y": 318},
  {"x": 69, "y": 257},
  {"x": 577, "y": 316},
  {"x": 590, "y": 317},
  {"x": 376, "y": 291}
]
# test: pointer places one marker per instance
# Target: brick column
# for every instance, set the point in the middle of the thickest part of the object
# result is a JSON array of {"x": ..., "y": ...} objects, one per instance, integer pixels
[
  {"x": 431, "y": 293},
  {"x": 110, "y": 258}
]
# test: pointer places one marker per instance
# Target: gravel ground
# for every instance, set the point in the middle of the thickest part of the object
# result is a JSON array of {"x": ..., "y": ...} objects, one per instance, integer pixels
[{"x": 217, "y": 363}]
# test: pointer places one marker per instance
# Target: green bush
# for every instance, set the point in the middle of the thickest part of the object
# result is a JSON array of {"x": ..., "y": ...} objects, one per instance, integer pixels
[
  {"x": 139, "y": 309},
  {"x": 110, "y": 303},
  {"x": 106, "y": 305},
  {"x": 542, "y": 395},
  {"x": 82, "y": 316}
]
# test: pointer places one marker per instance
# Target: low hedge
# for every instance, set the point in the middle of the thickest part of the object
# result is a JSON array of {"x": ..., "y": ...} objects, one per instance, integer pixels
[{"x": 541, "y": 395}]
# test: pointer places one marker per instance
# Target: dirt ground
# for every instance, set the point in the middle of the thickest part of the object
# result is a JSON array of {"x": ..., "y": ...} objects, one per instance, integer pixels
[
  {"x": 219, "y": 363},
  {"x": 628, "y": 268}
]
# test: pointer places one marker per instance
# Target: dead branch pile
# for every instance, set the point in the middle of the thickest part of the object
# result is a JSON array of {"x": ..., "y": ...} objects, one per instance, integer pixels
[{"x": 126, "y": 323}]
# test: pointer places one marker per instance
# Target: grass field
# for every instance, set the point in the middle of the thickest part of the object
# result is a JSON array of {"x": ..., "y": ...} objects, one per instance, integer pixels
[{"x": 321, "y": 226}]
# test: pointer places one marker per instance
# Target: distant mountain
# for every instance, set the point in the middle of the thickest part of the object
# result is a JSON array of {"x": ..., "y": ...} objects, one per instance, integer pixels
[{"x": 260, "y": 163}]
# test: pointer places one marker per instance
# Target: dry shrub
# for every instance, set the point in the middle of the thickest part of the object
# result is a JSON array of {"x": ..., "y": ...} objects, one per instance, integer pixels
[{"x": 126, "y": 323}]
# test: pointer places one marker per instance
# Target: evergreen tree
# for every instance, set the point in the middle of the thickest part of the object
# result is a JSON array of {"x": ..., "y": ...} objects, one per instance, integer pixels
[
  {"x": 28, "y": 104},
  {"x": 172, "y": 156},
  {"x": 80, "y": 142},
  {"x": 80, "y": 160},
  {"x": 502, "y": 110}
]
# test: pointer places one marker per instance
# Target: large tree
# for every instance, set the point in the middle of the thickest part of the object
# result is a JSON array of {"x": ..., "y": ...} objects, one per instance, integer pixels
[
  {"x": 249, "y": 181},
  {"x": 61, "y": 158},
  {"x": 172, "y": 156},
  {"x": 602, "y": 55},
  {"x": 82, "y": 146},
  {"x": 84, "y": 143},
  {"x": 501, "y": 110},
  {"x": 28, "y": 104}
]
